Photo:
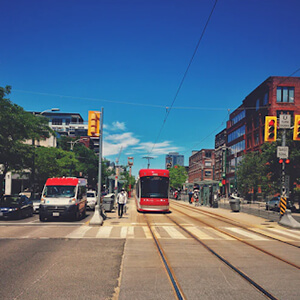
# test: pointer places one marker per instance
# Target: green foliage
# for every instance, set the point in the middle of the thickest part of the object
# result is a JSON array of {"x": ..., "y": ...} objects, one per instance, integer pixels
[
  {"x": 178, "y": 177},
  {"x": 16, "y": 127},
  {"x": 263, "y": 168},
  {"x": 130, "y": 180}
]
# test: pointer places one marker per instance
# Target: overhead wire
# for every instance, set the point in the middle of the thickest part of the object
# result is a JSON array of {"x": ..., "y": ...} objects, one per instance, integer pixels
[{"x": 168, "y": 109}]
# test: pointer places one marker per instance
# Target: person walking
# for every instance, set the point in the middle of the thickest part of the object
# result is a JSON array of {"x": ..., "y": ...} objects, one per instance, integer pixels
[
  {"x": 121, "y": 200},
  {"x": 190, "y": 196}
]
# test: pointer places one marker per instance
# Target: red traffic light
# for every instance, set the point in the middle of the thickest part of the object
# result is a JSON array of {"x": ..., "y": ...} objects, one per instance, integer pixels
[
  {"x": 287, "y": 161},
  {"x": 280, "y": 161}
]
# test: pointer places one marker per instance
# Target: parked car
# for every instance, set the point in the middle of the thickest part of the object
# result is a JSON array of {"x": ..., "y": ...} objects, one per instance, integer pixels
[
  {"x": 15, "y": 206},
  {"x": 91, "y": 197},
  {"x": 273, "y": 204},
  {"x": 36, "y": 200}
]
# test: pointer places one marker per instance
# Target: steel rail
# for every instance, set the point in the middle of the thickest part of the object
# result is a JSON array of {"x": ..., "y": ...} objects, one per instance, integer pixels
[
  {"x": 239, "y": 239},
  {"x": 235, "y": 223},
  {"x": 241, "y": 273},
  {"x": 175, "y": 285}
]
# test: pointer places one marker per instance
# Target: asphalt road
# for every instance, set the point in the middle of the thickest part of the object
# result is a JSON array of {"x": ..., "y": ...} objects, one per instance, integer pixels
[
  {"x": 119, "y": 260},
  {"x": 59, "y": 268}
]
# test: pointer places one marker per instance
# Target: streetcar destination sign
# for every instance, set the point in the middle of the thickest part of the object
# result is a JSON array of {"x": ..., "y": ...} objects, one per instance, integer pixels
[{"x": 283, "y": 152}]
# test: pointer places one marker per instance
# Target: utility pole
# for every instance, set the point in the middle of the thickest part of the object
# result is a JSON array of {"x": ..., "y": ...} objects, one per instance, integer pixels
[
  {"x": 97, "y": 218},
  {"x": 130, "y": 164}
]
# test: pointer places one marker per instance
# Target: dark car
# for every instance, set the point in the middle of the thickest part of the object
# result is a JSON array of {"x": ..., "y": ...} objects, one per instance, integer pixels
[
  {"x": 273, "y": 204},
  {"x": 15, "y": 206}
]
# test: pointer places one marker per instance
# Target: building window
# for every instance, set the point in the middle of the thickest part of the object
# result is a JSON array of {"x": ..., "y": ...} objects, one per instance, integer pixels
[
  {"x": 208, "y": 154},
  {"x": 68, "y": 121},
  {"x": 207, "y": 173},
  {"x": 256, "y": 139},
  {"x": 257, "y": 104},
  {"x": 266, "y": 98},
  {"x": 236, "y": 134},
  {"x": 285, "y": 94},
  {"x": 238, "y": 117},
  {"x": 56, "y": 121},
  {"x": 207, "y": 164}
]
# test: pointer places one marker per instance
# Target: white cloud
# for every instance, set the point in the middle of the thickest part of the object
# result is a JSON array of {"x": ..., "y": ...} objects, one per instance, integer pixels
[
  {"x": 115, "y": 126},
  {"x": 114, "y": 142},
  {"x": 159, "y": 148}
]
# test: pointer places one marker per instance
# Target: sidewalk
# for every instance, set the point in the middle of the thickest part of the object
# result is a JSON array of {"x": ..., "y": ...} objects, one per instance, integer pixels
[{"x": 253, "y": 214}]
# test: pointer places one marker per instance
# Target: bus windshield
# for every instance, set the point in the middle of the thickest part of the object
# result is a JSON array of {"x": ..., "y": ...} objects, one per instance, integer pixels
[
  {"x": 61, "y": 191},
  {"x": 154, "y": 187}
]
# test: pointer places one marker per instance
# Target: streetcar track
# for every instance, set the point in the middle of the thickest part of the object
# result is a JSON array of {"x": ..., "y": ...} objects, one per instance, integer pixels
[
  {"x": 237, "y": 270},
  {"x": 234, "y": 223},
  {"x": 174, "y": 282},
  {"x": 235, "y": 237}
]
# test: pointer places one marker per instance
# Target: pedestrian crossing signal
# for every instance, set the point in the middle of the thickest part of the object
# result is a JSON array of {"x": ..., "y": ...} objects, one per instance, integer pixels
[
  {"x": 296, "y": 135},
  {"x": 270, "y": 129}
]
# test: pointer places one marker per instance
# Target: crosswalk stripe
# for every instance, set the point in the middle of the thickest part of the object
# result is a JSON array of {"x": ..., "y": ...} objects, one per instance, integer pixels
[
  {"x": 220, "y": 234},
  {"x": 147, "y": 232},
  {"x": 79, "y": 232},
  {"x": 123, "y": 233},
  {"x": 284, "y": 232},
  {"x": 130, "y": 232},
  {"x": 246, "y": 233},
  {"x": 156, "y": 233},
  {"x": 174, "y": 232},
  {"x": 199, "y": 233},
  {"x": 104, "y": 232}
]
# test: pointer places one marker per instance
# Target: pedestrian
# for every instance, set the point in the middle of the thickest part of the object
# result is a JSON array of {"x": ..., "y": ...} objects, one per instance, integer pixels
[
  {"x": 121, "y": 200},
  {"x": 190, "y": 196},
  {"x": 196, "y": 196}
]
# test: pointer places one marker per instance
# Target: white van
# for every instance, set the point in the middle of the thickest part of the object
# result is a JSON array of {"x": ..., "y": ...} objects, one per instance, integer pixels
[
  {"x": 63, "y": 197},
  {"x": 91, "y": 199}
]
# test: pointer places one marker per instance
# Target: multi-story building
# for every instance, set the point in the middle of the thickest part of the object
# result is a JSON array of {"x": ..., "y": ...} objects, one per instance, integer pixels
[
  {"x": 235, "y": 146},
  {"x": 201, "y": 165},
  {"x": 220, "y": 155},
  {"x": 245, "y": 128},
  {"x": 70, "y": 124},
  {"x": 275, "y": 96},
  {"x": 173, "y": 159}
]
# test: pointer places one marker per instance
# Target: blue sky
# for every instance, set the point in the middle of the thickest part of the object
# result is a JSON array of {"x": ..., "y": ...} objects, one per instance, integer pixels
[{"x": 129, "y": 57}]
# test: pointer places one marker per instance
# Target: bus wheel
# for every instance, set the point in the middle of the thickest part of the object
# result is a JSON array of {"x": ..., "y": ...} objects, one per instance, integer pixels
[{"x": 42, "y": 218}]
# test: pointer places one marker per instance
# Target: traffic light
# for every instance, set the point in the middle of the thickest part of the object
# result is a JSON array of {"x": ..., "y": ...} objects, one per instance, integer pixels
[
  {"x": 270, "y": 129},
  {"x": 94, "y": 123},
  {"x": 296, "y": 135}
]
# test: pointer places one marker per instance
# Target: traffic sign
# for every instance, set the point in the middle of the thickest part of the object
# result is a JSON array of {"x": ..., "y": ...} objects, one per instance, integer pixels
[
  {"x": 283, "y": 152},
  {"x": 284, "y": 121}
]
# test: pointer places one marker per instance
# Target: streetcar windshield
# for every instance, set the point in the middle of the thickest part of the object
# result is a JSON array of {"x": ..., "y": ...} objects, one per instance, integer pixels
[{"x": 154, "y": 187}]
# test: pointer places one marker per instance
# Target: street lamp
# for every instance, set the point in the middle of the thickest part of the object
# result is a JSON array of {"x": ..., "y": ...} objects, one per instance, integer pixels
[{"x": 77, "y": 141}]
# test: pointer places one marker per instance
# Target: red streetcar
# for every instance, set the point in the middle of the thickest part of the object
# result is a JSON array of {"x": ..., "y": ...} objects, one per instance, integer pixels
[{"x": 152, "y": 191}]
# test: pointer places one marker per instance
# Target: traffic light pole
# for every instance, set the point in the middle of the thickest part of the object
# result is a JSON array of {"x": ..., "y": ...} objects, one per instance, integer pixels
[
  {"x": 97, "y": 218},
  {"x": 283, "y": 199}
]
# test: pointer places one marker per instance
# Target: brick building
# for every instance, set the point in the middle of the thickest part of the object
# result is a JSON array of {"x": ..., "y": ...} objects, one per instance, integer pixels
[{"x": 201, "y": 165}]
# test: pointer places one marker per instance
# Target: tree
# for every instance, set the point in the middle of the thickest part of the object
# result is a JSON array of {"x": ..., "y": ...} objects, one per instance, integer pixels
[
  {"x": 53, "y": 162},
  {"x": 263, "y": 168},
  {"x": 16, "y": 127},
  {"x": 178, "y": 177}
]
